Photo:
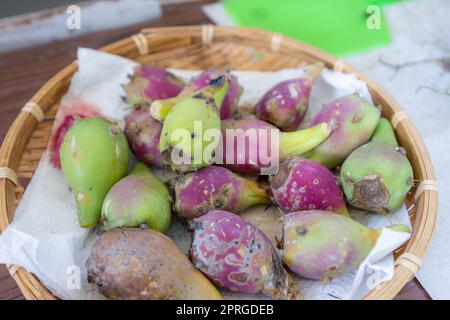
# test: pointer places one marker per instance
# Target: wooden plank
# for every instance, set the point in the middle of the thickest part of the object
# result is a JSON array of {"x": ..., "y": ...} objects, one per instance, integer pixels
[{"x": 23, "y": 72}]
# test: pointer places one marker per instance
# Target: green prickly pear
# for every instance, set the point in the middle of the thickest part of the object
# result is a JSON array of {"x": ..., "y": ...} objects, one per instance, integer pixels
[
  {"x": 94, "y": 156},
  {"x": 353, "y": 120},
  {"x": 183, "y": 128},
  {"x": 376, "y": 177},
  {"x": 384, "y": 132},
  {"x": 140, "y": 198},
  {"x": 321, "y": 245}
]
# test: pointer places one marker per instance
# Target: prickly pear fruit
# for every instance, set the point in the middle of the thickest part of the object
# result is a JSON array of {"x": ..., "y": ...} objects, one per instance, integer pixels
[
  {"x": 353, "y": 121},
  {"x": 160, "y": 108},
  {"x": 302, "y": 184},
  {"x": 143, "y": 264},
  {"x": 321, "y": 245},
  {"x": 243, "y": 155},
  {"x": 214, "y": 188},
  {"x": 384, "y": 132},
  {"x": 376, "y": 177},
  {"x": 286, "y": 103},
  {"x": 182, "y": 143},
  {"x": 65, "y": 117},
  {"x": 94, "y": 156},
  {"x": 237, "y": 256},
  {"x": 150, "y": 83},
  {"x": 140, "y": 198},
  {"x": 143, "y": 134}
]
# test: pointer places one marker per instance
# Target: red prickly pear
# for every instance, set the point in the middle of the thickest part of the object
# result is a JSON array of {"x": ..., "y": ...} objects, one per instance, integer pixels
[
  {"x": 214, "y": 188},
  {"x": 377, "y": 177},
  {"x": 353, "y": 121},
  {"x": 140, "y": 198},
  {"x": 302, "y": 184},
  {"x": 290, "y": 143},
  {"x": 235, "y": 255},
  {"x": 160, "y": 108},
  {"x": 65, "y": 117},
  {"x": 94, "y": 156},
  {"x": 322, "y": 245},
  {"x": 143, "y": 264},
  {"x": 150, "y": 83},
  {"x": 143, "y": 134},
  {"x": 384, "y": 132},
  {"x": 286, "y": 103}
]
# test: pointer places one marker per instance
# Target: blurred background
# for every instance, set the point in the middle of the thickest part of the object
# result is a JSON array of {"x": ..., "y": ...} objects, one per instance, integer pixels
[{"x": 403, "y": 45}]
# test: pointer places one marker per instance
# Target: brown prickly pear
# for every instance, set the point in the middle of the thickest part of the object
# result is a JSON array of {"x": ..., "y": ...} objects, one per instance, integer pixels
[
  {"x": 150, "y": 83},
  {"x": 353, "y": 121},
  {"x": 286, "y": 103},
  {"x": 322, "y": 245},
  {"x": 214, "y": 188},
  {"x": 94, "y": 156},
  {"x": 143, "y": 133},
  {"x": 384, "y": 132},
  {"x": 143, "y": 264},
  {"x": 160, "y": 108},
  {"x": 246, "y": 155},
  {"x": 237, "y": 256},
  {"x": 376, "y": 177},
  {"x": 302, "y": 184},
  {"x": 140, "y": 198}
]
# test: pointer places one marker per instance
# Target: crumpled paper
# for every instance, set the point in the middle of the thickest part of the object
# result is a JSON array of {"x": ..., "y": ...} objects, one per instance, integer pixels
[{"x": 45, "y": 238}]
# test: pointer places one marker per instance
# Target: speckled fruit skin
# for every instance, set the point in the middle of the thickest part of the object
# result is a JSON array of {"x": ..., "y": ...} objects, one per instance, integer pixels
[
  {"x": 139, "y": 198},
  {"x": 150, "y": 83},
  {"x": 143, "y": 134},
  {"x": 94, "y": 156},
  {"x": 321, "y": 245},
  {"x": 235, "y": 255},
  {"x": 302, "y": 184},
  {"x": 143, "y": 264},
  {"x": 290, "y": 143},
  {"x": 65, "y": 118},
  {"x": 286, "y": 103},
  {"x": 377, "y": 177},
  {"x": 214, "y": 188},
  {"x": 194, "y": 115},
  {"x": 353, "y": 121}
]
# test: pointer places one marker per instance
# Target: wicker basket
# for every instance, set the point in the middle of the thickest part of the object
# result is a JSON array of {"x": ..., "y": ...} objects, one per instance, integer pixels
[{"x": 199, "y": 47}]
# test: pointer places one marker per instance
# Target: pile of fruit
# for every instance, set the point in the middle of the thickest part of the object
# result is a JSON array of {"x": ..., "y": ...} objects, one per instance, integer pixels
[{"x": 346, "y": 155}]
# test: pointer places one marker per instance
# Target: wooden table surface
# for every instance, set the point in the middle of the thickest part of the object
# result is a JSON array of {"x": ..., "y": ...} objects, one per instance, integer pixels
[{"x": 24, "y": 71}]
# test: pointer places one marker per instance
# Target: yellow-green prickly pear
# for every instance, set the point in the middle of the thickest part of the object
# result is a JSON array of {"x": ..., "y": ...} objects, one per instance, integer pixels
[
  {"x": 321, "y": 245},
  {"x": 140, "y": 198},
  {"x": 183, "y": 128},
  {"x": 94, "y": 156},
  {"x": 376, "y": 177},
  {"x": 384, "y": 132}
]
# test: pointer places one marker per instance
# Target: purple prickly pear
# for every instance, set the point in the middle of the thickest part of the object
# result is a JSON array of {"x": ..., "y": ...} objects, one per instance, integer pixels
[
  {"x": 302, "y": 184},
  {"x": 214, "y": 188},
  {"x": 377, "y": 177},
  {"x": 322, "y": 245},
  {"x": 160, "y": 108},
  {"x": 289, "y": 143},
  {"x": 286, "y": 103},
  {"x": 353, "y": 121},
  {"x": 143, "y": 135},
  {"x": 150, "y": 83},
  {"x": 235, "y": 255}
]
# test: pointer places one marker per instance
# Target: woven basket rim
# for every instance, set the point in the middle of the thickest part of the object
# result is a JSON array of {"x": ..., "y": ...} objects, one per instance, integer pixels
[{"x": 165, "y": 38}]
